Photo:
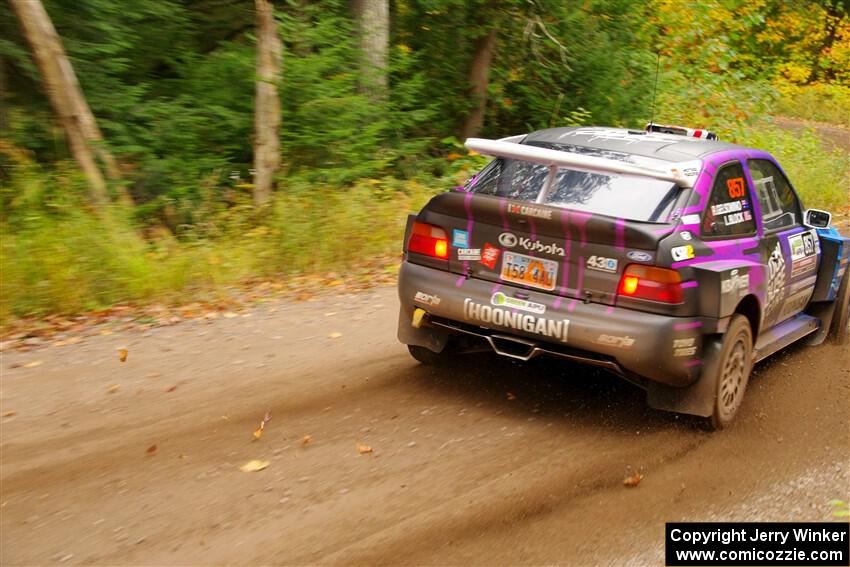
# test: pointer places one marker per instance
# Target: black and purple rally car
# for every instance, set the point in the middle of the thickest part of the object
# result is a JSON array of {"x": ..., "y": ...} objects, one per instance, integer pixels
[{"x": 672, "y": 259}]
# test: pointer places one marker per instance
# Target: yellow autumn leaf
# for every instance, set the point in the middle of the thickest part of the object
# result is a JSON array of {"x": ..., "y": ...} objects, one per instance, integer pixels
[{"x": 254, "y": 466}]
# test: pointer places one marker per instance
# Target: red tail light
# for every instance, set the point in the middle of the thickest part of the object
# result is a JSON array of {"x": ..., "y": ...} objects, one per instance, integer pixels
[
  {"x": 649, "y": 282},
  {"x": 429, "y": 240}
]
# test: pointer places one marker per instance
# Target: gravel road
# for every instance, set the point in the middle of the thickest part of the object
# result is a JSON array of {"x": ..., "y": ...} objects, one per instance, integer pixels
[{"x": 488, "y": 462}]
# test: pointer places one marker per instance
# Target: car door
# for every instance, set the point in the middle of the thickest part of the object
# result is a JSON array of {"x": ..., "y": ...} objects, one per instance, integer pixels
[{"x": 792, "y": 251}]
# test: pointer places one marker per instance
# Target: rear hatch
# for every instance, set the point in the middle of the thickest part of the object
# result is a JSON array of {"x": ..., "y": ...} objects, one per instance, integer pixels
[{"x": 497, "y": 232}]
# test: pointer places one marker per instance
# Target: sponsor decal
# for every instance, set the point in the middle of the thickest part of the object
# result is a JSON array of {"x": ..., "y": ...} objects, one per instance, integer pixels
[
  {"x": 612, "y": 340},
  {"x": 681, "y": 253},
  {"x": 803, "y": 253},
  {"x": 490, "y": 255},
  {"x": 639, "y": 256},
  {"x": 803, "y": 266},
  {"x": 690, "y": 219},
  {"x": 555, "y": 329},
  {"x": 468, "y": 254},
  {"x": 686, "y": 236},
  {"x": 795, "y": 243},
  {"x": 775, "y": 280},
  {"x": 809, "y": 243},
  {"x": 460, "y": 238},
  {"x": 690, "y": 171},
  {"x": 684, "y": 347},
  {"x": 739, "y": 283},
  {"x": 602, "y": 263},
  {"x": 733, "y": 218},
  {"x": 529, "y": 211},
  {"x": 508, "y": 239},
  {"x": 499, "y": 299},
  {"x": 748, "y": 215},
  {"x": 736, "y": 187},
  {"x": 426, "y": 298},
  {"x": 726, "y": 208}
]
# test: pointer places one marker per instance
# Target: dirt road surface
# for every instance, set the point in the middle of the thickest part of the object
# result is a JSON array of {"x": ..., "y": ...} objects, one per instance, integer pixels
[{"x": 138, "y": 463}]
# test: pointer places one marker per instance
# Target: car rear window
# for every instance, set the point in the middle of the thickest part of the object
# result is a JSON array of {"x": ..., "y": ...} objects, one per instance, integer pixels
[{"x": 625, "y": 196}]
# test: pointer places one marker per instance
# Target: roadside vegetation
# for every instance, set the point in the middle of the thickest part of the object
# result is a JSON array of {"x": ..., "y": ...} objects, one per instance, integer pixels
[{"x": 171, "y": 84}]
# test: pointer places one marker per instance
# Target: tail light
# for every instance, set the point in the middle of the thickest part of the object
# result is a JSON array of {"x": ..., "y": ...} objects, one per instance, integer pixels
[
  {"x": 429, "y": 240},
  {"x": 649, "y": 282}
]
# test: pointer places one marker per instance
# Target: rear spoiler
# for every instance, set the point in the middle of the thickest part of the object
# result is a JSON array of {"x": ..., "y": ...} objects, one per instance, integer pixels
[{"x": 683, "y": 174}]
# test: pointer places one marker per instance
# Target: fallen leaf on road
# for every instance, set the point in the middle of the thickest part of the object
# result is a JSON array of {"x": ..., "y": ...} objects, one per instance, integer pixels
[
  {"x": 151, "y": 450},
  {"x": 633, "y": 480},
  {"x": 105, "y": 332},
  {"x": 33, "y": 364},
  {"x": 229, "y": 315},
  {"x": 307, "y": 440},
  {"x": 330, "y": 313},
  {"x": 334, "y": 335},
  {"x": 122, "y": 354},
  {"x": 254, "y": 466},
  {"x": 363, "y": 449},
  {"x": 259, "y": 431},
  {"x": 511, "y": 397},
  {"x": 10, "y": 414},
  {"x": 112, "y": 388},
  {"x": 171, "y": 389}
]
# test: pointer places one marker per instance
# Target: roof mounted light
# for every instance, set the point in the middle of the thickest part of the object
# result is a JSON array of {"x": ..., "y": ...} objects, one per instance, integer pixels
[{"x": 681, "y": 131}]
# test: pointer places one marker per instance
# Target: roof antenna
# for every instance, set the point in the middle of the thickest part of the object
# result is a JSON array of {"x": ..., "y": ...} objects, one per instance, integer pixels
[{"x": 654, "y": 90}]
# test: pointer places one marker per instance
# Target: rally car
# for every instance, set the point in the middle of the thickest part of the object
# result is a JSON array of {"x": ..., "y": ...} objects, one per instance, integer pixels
[{"x": 672, "y": 259}]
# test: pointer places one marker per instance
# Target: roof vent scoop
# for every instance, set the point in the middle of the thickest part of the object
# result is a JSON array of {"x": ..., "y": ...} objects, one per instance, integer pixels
[{"x": 681, "y": 131}]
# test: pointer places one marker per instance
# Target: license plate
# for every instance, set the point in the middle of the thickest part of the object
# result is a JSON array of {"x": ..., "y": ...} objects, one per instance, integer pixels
[{"x": 528, "y": 270}]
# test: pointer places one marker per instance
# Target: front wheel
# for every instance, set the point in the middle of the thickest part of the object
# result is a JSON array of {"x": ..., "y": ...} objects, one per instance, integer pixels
[{"x": 732, "y": 365}]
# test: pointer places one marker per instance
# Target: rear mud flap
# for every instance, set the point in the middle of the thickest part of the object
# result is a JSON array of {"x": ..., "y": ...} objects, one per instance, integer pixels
[
  {"x": 696, "y": 399},
  {"x": 425, "y": 336}
]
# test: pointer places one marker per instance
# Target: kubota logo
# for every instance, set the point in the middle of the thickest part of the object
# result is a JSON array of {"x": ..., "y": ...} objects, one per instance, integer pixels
[
  {"x": 507, "y": 240},
  {"x": 510, "y": 240}
]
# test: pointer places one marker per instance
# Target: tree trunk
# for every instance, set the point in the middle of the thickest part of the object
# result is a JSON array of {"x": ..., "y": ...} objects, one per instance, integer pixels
[
  {"x": 66, "y": 97},
  {"x": 479, "y": 78},
  {"x": 267, "y": 109},
  {"x": 373, "y": 19}
]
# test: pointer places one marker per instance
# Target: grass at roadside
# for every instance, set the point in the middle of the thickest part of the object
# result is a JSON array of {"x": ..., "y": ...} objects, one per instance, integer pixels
[
  {"x": 819, "y": 102},
  {"x": 65, "y": 260}
]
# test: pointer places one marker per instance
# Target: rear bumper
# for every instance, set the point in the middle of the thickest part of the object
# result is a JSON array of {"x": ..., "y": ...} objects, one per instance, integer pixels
[{"x": 660, "y": 348}]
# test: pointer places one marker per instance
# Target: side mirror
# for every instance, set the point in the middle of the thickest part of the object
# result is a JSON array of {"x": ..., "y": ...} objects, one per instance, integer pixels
[{"x": 814, "y": 218}]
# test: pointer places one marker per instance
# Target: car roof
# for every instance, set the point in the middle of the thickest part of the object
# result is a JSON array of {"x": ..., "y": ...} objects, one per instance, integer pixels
[{"x": 667, "y": 147}]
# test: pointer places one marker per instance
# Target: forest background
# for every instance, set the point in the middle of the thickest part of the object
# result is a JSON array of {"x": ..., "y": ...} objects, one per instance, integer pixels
[{"x": 373, "y": 99}]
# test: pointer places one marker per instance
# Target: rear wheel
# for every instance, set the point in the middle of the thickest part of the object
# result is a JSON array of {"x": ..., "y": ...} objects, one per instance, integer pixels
[
  {"x": 839, "y": 329},
  {"x": 427, "y": 356},
  {"x": 732, "y": 365}
]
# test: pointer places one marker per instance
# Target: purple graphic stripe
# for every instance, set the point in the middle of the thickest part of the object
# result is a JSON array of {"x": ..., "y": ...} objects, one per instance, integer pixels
[
  {"x": 688, "y": 284},
  {"x": 686, "y": 326},
  {"x": 620, "y": 234}
]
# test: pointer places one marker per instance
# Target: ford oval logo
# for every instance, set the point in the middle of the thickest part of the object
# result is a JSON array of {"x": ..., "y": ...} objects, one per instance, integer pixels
[
  {"x": 507, "y": 240},
  {"x": 639, "y": 256}
]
